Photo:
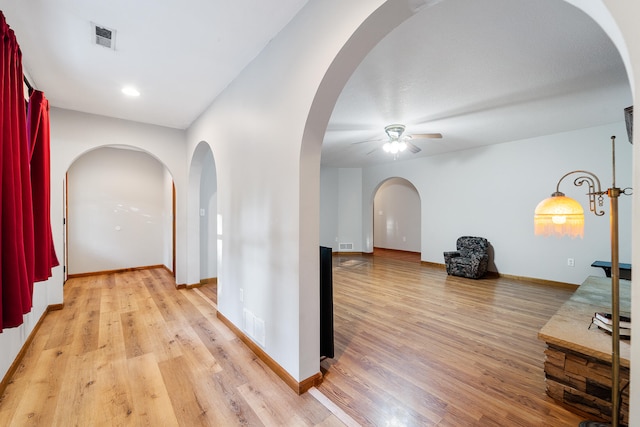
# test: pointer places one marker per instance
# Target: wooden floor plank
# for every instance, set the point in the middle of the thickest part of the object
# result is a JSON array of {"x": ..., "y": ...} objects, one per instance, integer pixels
[
  {"x": 43, "y": 382},
  {"x": 199, "y": 409},
  {"x": 194, "y": 353},
  {"x": 78, "y": 395},
  {"x": 111, "y": 334},
  {"x": 114, "y": 389},
  {"x": 25, "y": 373},
  {"x": 152, "y": 404}
]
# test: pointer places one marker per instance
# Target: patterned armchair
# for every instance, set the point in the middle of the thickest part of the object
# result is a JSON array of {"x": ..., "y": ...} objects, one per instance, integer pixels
[{"x": 470, "y": 260}]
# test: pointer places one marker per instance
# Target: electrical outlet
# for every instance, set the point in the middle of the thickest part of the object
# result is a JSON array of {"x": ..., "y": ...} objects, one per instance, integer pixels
[
  {"x": 571, "y": 262},
  {"x": 241, "y": 295}
]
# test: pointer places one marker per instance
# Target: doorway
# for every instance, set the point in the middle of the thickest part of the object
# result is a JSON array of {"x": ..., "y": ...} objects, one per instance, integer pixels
[
  {"x": 119, "y": 212},
  {"x": 397, "y": 220}
]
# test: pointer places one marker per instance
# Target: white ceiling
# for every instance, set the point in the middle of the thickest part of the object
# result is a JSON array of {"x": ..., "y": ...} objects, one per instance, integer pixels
[
  {"x": 478, "y": 72},
  {"x": 179, "y": 54}
]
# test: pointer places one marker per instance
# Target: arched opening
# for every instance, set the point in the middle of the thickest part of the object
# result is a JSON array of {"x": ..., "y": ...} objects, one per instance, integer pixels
[
  {"x": 119, "y": 212},
  {"x": 365, "y": 220},
  {"x": 202, "y": 217},
  {"x": 397, "y": 220}
]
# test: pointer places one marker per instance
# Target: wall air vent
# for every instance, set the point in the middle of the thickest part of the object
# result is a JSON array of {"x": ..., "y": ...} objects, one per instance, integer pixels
[
  {"x": 346, "y": 246},
  {"x": 103, "y": 36}
]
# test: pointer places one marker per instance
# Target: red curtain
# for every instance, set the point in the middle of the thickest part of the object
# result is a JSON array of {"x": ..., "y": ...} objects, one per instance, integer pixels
[
  {"x": 38, "y": 132},
  {"x": 16, "y": 214}
]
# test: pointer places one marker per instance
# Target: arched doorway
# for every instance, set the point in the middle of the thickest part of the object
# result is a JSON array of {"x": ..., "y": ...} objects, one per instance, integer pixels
[
  {"x": 397, "y": 219},
  {"x": 202, "y": 213},
  {"x": 119, "y": 212}
]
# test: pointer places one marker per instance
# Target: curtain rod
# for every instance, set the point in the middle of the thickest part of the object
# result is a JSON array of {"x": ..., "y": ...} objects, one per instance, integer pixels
[{"x": 29, "y": 85}]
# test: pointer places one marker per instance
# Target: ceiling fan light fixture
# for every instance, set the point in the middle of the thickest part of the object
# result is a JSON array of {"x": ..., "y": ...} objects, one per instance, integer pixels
[
  {"x": 394, "y": 147},
  {"x": 394, "y": 131},
  {"x": 399, "y": 141}
]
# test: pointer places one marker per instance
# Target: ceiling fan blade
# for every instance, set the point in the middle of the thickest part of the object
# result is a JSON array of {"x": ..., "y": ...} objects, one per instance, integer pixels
[
  {"x": 369, "y": 140},
  {"x": 426, "y": 135},
  {"x": 413, "y": 148}
]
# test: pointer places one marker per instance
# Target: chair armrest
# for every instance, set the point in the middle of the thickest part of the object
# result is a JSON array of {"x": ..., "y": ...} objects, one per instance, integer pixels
[{"x": 448, "y": 256}]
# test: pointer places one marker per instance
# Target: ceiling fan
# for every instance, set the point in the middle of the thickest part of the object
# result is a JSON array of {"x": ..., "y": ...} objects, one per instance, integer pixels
[{"x": 399, "y": 141}]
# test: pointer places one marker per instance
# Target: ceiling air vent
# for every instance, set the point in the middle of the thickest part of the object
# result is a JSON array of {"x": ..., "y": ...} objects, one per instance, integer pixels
[{"x": 103, "y": 36}]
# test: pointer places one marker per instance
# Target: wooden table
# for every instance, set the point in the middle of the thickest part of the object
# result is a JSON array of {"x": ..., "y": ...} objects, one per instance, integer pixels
[{"x": 578, "y": 358}]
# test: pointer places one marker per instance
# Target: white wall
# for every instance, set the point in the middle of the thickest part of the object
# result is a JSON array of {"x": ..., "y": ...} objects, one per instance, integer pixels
[
  {"x": 341, "y": 208},
  {"x": 329, "y": 185},
  {"x": 115, "y": 211},
  {"x": 493, "y": 191},
  {"x": 167, "y": 221},
  {"x": 208, "y": 215},
  {"x": 350, "y": 209},
  {"x": 396, "y": 216},
  {"x": 74, "y": 134}
]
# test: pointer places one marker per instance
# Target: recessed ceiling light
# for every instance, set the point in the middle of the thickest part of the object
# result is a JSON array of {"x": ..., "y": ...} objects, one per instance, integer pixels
[{"x": 130, "y": 91}]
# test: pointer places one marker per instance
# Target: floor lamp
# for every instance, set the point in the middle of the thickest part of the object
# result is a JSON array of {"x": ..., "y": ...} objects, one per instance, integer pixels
[{"x": 560, "y": 216}]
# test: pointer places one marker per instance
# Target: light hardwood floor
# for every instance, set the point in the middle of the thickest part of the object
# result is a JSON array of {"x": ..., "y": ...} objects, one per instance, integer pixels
[
  {"x": 129, "y": 349},
  {"x": 414, "y": 347}
]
